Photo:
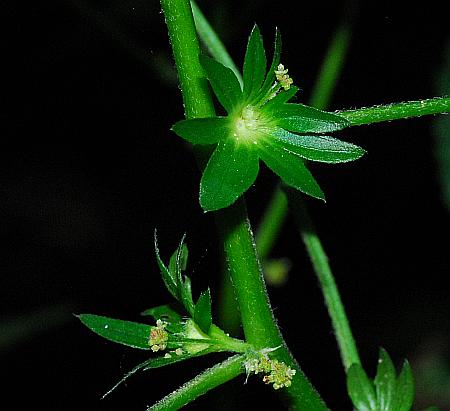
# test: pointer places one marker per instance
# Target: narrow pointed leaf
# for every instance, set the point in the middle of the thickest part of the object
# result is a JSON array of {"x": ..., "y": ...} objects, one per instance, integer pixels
[
  {"x": 178, "y": 262},
  {"x": 202, "y": 312},
  {"x": 280, "y": 99},
  {"x": 203, "y": 130},
  {"x": 317, "y": 147},
  {"x": 304, "y": 119},
  {"x": 123, "y": 332},
  {"x": 385, "y": 381},
  {"x": 270, "y": 78},
  {"x": 126, "y": 376},
  {"x": 186, "y": 296},
  {"x": 153, "y": 363},
  {"x": 231, "y": 170},
  {"x": 291, "y": 169},
  {"x": 163, "y": 312},
  {"x": 360, "y": 389},
  {"x": 183, "y": 258},
  {"x": 174, "y": 321},
  {"x": 404, "y": 393},
  {"x": 163, "y": 361},
  {"x": 254, "y": 65},
  {"x": 168, "y": 278},
  {"x": 224, "y": 83}
]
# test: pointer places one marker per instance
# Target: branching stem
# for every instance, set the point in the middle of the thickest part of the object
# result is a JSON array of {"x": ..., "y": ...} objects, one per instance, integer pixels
[
  {"x": 259, "y": 325},
  {"x": 397, "y": 111}
]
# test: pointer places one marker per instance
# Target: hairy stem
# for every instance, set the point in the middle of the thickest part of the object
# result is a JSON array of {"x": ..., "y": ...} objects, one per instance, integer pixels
[
  {"x": 336, "y": 310},
  {"x": 259, "y": 325},
  {"x": 186, "y": 49},
  {"x": 204, "y": 382},
  {"x": 397, "y": 111}
]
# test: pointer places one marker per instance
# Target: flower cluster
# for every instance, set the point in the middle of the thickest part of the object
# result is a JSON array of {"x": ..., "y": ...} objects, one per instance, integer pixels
[
  {"x": 282, "y": 77},
  {"x": 276, "y": 372},
  {"x": 158, "y": 336}
]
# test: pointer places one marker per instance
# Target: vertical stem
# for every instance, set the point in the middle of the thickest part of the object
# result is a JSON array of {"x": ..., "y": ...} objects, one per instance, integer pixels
[
  {"x": 259, "y": 325},
  {"x": 186, "y": 49},
  {"x": 257, "y": 319}
]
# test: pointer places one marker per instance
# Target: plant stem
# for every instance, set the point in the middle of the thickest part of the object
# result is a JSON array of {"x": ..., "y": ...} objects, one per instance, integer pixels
[
  {"x": 204, "y": 382},
  {"x": 397, "y": 111},
  {"x": 336, "y": 310},
  {"x": 186, "y": 49},
  {"x": 257, "y": 318},
  {"x": 271, "y": 223},
  {"x": 331, "y": 68},
  {"x": 259, "y": 325}
]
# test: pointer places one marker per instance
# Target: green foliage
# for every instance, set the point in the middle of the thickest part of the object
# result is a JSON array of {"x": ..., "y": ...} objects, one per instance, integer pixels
[
  {"x": 202, "y": 311},
  {"x": 177, "y": 284},
  {"x": 183, "y": 337},
  {"x": 387, "y": 392},
  {"x": 260, "y": 126},
  {"x": 128, "y": 333}
]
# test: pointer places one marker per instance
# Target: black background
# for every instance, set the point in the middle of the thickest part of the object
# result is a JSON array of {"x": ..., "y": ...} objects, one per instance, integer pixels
[{"x": 89, "y": 168}]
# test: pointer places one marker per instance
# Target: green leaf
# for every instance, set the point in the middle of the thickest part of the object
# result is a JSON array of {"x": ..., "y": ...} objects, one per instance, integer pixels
[
  {"x": 224, "y": 83},
  {"x": 254, "y": 65},
  {"x": 360, "y": 389},
  {"x": 231, "y": 170},
  {"x": 291, "y": 169},
  {"x": 168, "y": 277},
  {"x": 202, "y": 312},
  {"x": 404, "y": 393},
  {"x": 178, "y": 262},
  {"x": 317, "y": 147},
  {"x": 163, "y": 312},
  {"x": 123, "y": 332},
  {"x": 126, "y": 376},
  {"x": 203, "y": 130},
  {"x": 152, "y": 363},
  {"x": 186, "y": 296},
  {"x": 270, "y": 78},
  {"x": 281, "y": 98},
  {"x": 304, "y": 119},
  {"x": 385, "y": 381}
]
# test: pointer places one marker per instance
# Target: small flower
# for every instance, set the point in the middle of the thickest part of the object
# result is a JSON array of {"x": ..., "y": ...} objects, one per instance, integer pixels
[
  {"x": 261, "y": 125},
  {"x": 282, "y": 77},
  {"x": 276, "y": 372},
  {"x": 158, "y": 336},
  {"x": 280, "y": 375}
]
